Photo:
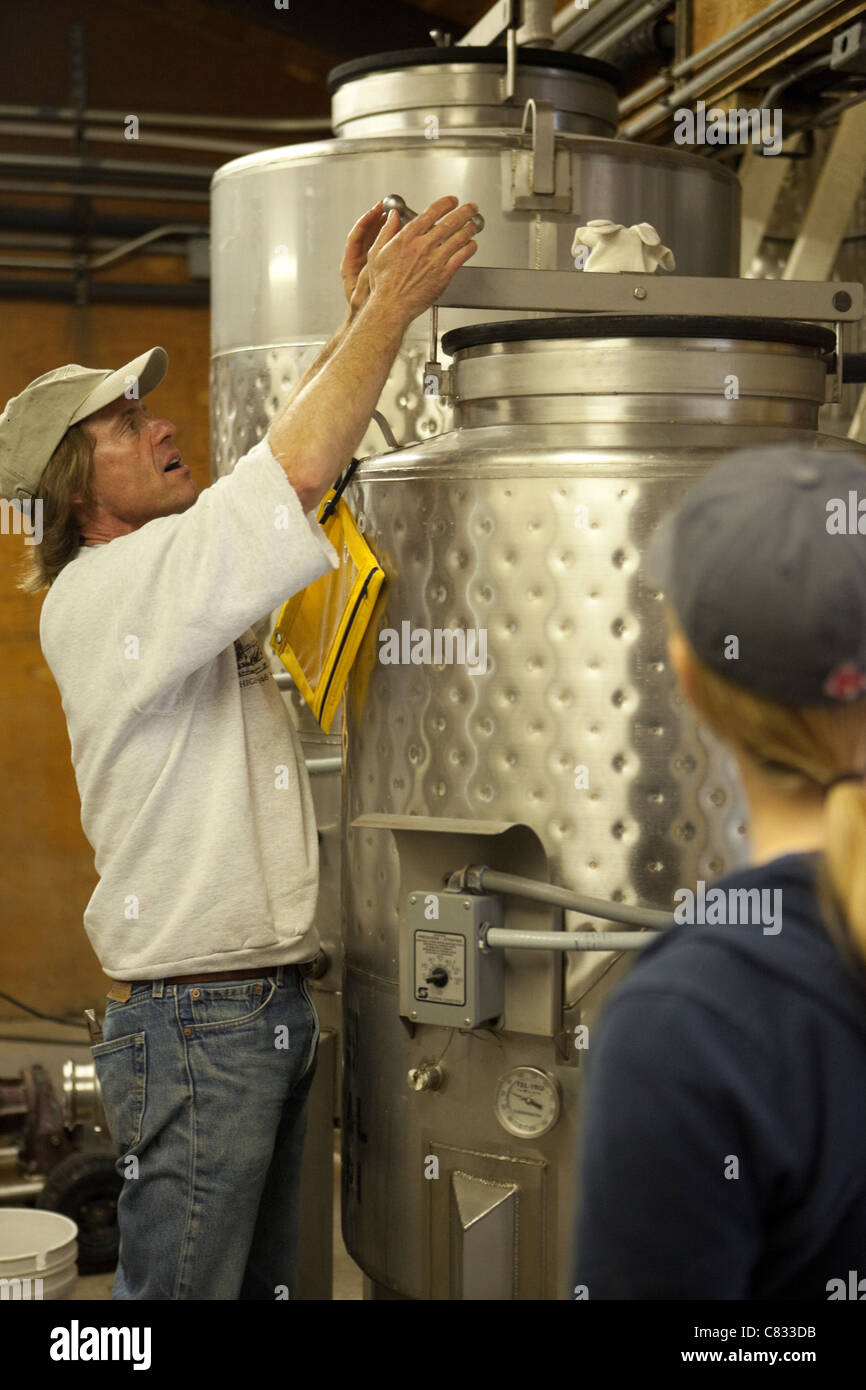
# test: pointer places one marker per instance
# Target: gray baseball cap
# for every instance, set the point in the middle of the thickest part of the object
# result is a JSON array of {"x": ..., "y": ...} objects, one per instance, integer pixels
[
  {"x": 767, "y": 548},
  {"x": 34, "y": 422}
]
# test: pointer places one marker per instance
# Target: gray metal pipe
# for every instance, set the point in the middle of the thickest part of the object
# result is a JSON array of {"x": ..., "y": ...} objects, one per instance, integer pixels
[
  {"x": 723, "y": 69},
  {"x": 117, "y": 253},
  {"x": 111, "y": 292},
  {"x": 21, "y": 1189},
  {"x": 167, "y": 118},
  {"x": 92, "y": 164},
  {"x": 53, "y": 188},
  {"x": 59, "y": 241},
  {"x": 491, "y": 880},
  {"x": 102, "y": 135},
  {"x": 569, "y": 941},
  {"x": 741, "y": 31},
  {"x": 572, "y": 31},
  {"x": 602, "y": 47}
]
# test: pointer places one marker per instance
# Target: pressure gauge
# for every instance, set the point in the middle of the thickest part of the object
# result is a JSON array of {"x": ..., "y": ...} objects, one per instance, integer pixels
[{"x": 527, "y": 1102}]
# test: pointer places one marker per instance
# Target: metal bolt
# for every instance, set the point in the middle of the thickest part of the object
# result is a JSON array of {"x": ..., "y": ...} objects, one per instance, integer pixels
[
  {"x": 640, "y": 292},
  {"x": 468, "y": 1021},
  {"x": 414, "y": 1013},
  {"x": 842, "y": 301},
  {"x": 467, "y": 904},
  {"x": 412, "y": 898},
  {"x": 278, "y": 636}
]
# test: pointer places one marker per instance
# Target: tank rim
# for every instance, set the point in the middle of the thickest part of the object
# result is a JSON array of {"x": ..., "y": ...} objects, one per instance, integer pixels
[
  {"x": 638, "y": 326},
  {"x": 441, "y": 57}
]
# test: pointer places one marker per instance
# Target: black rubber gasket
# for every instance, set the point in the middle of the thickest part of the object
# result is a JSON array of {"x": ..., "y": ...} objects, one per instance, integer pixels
[
  {"x": 438, "y": 57},
  {"x": 639, "y": 326}
]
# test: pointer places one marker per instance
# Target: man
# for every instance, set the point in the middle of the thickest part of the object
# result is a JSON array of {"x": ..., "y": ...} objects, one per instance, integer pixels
[{"x": 193, "y": 788}]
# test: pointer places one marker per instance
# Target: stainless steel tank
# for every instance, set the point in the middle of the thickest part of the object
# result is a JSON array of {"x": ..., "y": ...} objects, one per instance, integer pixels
[
  {"x": 568, "y": 759},
  {"x": 423, "y": 123},
  {"x": 538, "y": 162}
]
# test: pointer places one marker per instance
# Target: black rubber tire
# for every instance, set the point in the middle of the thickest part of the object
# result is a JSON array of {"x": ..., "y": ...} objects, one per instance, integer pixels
[{"x": 85, "y": 1187}]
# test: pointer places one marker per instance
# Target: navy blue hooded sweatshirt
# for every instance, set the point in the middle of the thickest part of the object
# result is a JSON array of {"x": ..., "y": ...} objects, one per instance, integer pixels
[{"x": 724, "y": 1126}]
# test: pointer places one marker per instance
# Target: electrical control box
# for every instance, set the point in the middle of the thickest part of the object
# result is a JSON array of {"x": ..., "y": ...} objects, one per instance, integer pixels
[{"x": 447, "y": 973}]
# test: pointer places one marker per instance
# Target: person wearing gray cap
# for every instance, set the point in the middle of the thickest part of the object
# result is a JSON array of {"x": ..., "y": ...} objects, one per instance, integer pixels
[
  {"x": 724, "y": 1134},
  {"x": 194, "y": 793}
]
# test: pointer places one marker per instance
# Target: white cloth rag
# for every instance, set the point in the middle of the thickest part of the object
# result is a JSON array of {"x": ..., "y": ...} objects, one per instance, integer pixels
[{"x": 604, "y": 245}]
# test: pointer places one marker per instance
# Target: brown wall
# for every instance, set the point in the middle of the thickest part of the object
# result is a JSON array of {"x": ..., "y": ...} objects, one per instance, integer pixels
[
  {"x": 140, "y": 56},
  {"x": 46, "y": 866}
]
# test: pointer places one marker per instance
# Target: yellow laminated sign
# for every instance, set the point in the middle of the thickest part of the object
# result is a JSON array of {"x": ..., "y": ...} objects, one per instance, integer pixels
[{"x": 320, "y": 629}]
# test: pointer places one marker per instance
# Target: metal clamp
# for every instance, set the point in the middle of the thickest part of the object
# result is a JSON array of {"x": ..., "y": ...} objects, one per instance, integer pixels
[{"x": 538, "y": 176}]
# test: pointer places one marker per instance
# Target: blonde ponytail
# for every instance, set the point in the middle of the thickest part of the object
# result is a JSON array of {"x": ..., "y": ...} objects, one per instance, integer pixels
[
  {"x": 798, "y": 747},
  {"x": 845, "y": 856}
]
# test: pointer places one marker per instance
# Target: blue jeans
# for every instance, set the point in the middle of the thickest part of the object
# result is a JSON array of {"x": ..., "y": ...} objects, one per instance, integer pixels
[{"x": 205, "y": 1089}]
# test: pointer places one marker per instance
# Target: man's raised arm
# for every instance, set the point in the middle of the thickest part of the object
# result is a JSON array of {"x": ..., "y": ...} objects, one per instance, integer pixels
[{"x": 321, "y": 425}]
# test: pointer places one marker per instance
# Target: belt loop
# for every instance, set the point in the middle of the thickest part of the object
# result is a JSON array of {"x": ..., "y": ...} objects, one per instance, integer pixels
[{"x": 158, "y": 989}]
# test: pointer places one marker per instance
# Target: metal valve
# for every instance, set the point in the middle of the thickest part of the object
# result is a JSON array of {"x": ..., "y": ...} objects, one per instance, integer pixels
[{"x": 427, "y": 1077}]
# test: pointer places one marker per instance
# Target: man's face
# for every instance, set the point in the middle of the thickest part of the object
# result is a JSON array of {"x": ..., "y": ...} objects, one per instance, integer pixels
[{"x": 137, "y": 473}]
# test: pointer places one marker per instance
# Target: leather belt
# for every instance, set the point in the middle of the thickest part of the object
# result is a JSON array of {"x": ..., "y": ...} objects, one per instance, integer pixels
[
  {"x": 121, "y": 989},
  {"x": 252, "y": 973}
]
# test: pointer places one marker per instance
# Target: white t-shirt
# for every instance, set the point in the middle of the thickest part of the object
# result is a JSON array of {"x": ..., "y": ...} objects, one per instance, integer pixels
[{"x": 194, "y": 794}]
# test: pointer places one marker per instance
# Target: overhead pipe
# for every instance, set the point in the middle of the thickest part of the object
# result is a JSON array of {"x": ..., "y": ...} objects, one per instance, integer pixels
[
  {"x": 164, "y": 118},
  {"x": 110, "y": 292},
  {"x": 44, "y": 220},
  {"x": 719, "y": 71},
  {"x": 622, "y": 35},
  {"x": 95, "y": 164},
  {"x": 703, "y": 55},
  {"x": 55, "y": 188},
  {"x": 104, "y": 135}
]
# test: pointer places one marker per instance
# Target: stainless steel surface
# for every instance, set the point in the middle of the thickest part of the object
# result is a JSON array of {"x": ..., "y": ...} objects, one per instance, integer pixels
[
  {"x": 554, "y": 382},
  {"x": 466, "y": 95},
  {"x": 558, "y": 291},
  {"x": 477, "y": 529},
  {"x": 276, "y": 243},
  {"x": 82, "y": 1098}
]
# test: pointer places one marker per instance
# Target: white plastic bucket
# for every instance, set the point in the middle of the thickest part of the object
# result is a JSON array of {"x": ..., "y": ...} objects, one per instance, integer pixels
[{"x": 38, "y": 1251}]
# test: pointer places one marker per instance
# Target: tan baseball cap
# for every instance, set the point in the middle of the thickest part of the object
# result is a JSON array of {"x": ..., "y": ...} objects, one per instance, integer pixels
[{"x": 34, "y": 422}]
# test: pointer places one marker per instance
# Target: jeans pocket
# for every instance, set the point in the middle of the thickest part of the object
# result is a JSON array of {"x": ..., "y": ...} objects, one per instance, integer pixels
[
  {"x": 226, "y": 1005},
  {"x": 121, "y": 1069}
]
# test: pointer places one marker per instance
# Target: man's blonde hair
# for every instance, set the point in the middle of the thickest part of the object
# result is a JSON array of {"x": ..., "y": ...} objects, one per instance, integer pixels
[{"x": 69, "y": 473}]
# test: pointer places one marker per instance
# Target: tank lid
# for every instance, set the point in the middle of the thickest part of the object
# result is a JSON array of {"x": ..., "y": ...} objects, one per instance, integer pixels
[
  {"x": 639, "y": 326},
  {"x": 440, "y": 57}
]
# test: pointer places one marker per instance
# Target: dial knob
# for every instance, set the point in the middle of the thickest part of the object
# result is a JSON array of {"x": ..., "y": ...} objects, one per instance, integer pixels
[{"x": 438, "y": 977}]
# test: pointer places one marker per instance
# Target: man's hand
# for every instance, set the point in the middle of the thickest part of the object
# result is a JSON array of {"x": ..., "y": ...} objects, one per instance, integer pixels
[
  {"x": 353, "y": 268},
  {"x": 409, "y": 268}
]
